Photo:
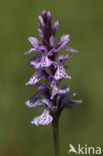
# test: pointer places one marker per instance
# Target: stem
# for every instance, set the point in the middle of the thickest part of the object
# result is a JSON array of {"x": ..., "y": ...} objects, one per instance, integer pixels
[{"x": 55, "y": 124}]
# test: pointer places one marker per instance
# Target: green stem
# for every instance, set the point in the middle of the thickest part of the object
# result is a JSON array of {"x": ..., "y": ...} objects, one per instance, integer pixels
[{"x": 55, "y": 124}]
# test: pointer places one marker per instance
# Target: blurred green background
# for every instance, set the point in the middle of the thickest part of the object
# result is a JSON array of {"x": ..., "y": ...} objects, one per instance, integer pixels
[{"x": 83, "y": 124}]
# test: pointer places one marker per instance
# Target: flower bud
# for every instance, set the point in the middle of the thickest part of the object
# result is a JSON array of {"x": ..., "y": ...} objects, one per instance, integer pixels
[
  {"x": 43, "y": 13},
  {"x": 40, "y": 33},
  {"x": 56, "y": 26},
  {"x": 49, "y": 16},
  {"x": 52, "y": 42},
  {"x": 41, "y": 21}
]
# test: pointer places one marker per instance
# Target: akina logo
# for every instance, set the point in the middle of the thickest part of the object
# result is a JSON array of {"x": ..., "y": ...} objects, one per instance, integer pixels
[{"x": 84, "y": 150}]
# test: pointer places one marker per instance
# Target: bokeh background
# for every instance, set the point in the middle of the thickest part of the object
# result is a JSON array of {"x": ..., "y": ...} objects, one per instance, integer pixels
[{"x": 83, "y": 124}]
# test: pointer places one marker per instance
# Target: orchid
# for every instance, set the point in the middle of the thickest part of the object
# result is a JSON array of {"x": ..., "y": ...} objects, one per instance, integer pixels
[{"x": 50, "y": 71}]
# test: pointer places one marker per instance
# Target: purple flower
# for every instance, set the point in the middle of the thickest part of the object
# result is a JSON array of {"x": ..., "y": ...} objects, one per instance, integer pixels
[
  {"x": 35, "y": 78},
  {"x": 50, "y": 71},
  {"x": 57, "y": 91},
  {"x": 44, "y": 119},
  {"x": 45, "y": 62},
  {"x": 60, "y": 73},
  {"x": 34, "y": 101}
]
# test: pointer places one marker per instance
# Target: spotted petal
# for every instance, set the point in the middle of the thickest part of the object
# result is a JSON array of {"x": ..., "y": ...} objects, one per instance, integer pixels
[
  {"x": 43, "y": 89},
  {"x": 41, "y": 86},
  {"x": 34, "y": 101},
  {"x": 44, "y": 119},
  {"x": 60, "y": 73},
  {"x": 57, "y": 91},
  {"x": 35, "y": 78},
  {"x": 45, "y": 62}
]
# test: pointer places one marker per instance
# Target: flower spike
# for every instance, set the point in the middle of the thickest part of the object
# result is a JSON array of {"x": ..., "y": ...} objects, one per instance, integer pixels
[{"x": 50, "y": 71}]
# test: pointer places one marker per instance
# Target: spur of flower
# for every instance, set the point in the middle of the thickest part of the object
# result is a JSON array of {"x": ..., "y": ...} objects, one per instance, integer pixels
[{"x": 49, "y": 71}]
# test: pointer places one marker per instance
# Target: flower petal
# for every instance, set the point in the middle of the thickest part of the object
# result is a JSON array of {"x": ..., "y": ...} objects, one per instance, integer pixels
[
  {"x": 41, "y": 21},
  {"x": 34, "y": 101},
  {"x": 49, "y": 16},
  {"x": 42, "y": 86},
  {"x": 37, "y": 46},
  {"x": 44, "y": 119},
  {"x": 56, "y": 26},
  {"x": 34, "y": 42},
  {"x": 58, "y": 91},
  {"x": 62, "y": 58},
  {"x": 71, "y": 103},
  {"x": 70, "y": 49},
  {"x": 35, "y": 78},
  {"x": 48, "y": 103},
  {"x": 66, "y": 87},
  {"x": 66, "y": 101},
  {"x": 43, "y": 49},
  {"x": 44, "y": 63},
  {"x": 40, "y": 33},
  {"x": 60, "y": 73},
  {"x": 36, "y": 58},
  {"x": 52, "y": 42},
  {"x": 63, "y": 41},
  {"x": 43, "y": 89},
  {"x": 30, "y": 51},
  {"x": 44, "y": 14},
  {"x": 52, "y": 51}
]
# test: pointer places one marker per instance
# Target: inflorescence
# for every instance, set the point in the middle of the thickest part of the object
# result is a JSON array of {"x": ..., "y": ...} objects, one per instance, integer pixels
[{"x": 49, "y": 71}]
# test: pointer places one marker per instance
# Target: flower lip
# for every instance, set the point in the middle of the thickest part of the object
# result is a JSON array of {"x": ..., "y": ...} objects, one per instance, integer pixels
[
  {"x": 61, "y": 74},
  {"x": 44, "y": 119},
  {"x": 35, "y": 78}
]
